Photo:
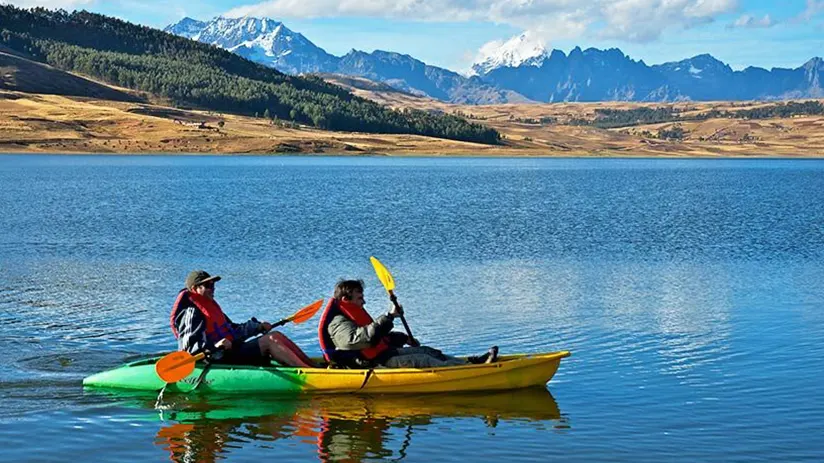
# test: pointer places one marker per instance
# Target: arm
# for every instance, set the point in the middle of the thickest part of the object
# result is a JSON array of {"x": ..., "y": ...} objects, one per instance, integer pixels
[
  {"x": 244, "y": 331},
  {"x": 397, "y": 339},
  {"x": 346, "y": 335},
  {"x": 191, "y": 328}
]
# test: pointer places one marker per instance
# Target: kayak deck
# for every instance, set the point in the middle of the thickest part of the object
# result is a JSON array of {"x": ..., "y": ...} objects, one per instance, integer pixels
[{"x": 509, "y": 372}]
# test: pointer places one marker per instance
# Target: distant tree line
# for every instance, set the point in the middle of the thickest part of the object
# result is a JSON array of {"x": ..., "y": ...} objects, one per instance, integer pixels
[
  {"x": 468, "y": 115},
  {"x": 533, "y": 120},
  {"x": 187, "y": 72},
  {"x": 780, "y": 110},
  {"x": 607, "y": 118}
]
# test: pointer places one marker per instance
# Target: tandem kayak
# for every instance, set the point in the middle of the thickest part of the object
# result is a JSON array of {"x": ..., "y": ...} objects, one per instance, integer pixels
[{"x": 509, "y": 372}]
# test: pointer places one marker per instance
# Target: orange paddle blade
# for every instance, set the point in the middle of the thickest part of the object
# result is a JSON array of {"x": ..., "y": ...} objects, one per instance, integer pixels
[
  {"x": 176, "y": 366},
  {"x": 307, "y": 312}
]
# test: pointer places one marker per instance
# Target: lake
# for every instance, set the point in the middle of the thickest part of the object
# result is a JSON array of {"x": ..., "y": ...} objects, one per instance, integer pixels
[{"x": 690, "y": 293}]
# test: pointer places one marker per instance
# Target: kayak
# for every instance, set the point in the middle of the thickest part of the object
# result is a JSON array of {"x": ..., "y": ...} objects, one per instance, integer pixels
[{"x": 509, "y": 372}]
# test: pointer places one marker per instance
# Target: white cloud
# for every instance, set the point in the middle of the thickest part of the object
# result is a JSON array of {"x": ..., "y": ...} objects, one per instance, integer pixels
[
  {"x": 813, "y": 8},
  {"x": 645, "y": 20},
  {"x": 52, "y": 4},
  {"x": 633, "y": 20},
  {"x": 751, "y": 22}
]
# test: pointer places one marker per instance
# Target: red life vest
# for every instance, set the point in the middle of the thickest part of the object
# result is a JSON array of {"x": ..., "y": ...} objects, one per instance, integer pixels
[
  {"x": 217, "y": 326},
  {"x": 359, "y": 316}
]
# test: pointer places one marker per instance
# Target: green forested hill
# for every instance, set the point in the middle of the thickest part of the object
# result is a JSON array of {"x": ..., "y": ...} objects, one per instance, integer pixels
[{"x": 191, "y": 73}]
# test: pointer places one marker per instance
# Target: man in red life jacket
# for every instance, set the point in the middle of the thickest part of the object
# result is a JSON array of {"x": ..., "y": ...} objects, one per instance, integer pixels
[
  {"x": 350, "y": 337},
  {"x": 199, "y": 324}
]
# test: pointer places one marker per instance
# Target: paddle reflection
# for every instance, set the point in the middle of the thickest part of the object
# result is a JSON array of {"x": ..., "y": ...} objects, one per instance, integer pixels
[{"x": 341, "y": 428}]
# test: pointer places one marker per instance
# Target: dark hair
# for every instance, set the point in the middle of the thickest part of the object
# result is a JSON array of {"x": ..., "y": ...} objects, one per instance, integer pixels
[{"x": 347, "y": 288}]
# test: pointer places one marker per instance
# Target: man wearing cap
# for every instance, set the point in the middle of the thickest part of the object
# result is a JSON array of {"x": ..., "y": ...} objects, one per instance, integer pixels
[{"x": 199, "y": 324}]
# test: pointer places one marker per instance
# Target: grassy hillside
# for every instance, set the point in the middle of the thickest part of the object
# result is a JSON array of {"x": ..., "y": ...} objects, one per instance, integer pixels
[
  {"x": 792, "y": 129},
  {"x": 189, "y": 73},
  {"x": 42, "y": 123},
  {"x": 24, "y": 75}
]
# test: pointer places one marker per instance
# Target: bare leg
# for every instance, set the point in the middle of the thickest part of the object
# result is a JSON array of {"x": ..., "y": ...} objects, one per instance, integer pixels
[{"x": 282, "y": 349}]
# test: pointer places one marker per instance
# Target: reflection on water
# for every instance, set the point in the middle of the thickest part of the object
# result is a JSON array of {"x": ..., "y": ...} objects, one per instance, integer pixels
[{"x": 344, "y": 427}]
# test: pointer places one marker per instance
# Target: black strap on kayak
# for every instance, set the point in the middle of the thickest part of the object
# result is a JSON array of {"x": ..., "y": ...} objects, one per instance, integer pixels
[
  {"x": 203, "y": 373},
  {"x": 201, "y": 376},
  {"x": 366, "y": 377}
]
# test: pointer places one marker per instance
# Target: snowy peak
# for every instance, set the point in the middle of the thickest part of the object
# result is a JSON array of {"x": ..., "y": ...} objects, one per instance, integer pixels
[
  {"x": 186, "y": 27},
  {"x": 814, "y": 64},
  {"x": 698, "y": 67},
  {"x": 278, "y": 41},
  {"x": 262, "y": 40},
  {"x": 225, "y": 32},
  {"x": 522, "y": 50}
]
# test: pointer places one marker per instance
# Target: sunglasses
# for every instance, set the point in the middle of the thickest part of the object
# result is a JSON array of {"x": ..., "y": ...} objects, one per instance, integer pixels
[{"x": 209, "y": 285}]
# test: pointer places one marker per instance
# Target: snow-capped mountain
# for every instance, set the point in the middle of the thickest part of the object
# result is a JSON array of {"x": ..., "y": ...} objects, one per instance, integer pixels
[
  {"x": 186, "y": 27},
  {"x": 262, "y": 40},
  {"x": 522, "y": 50},
  {"x": 224, "y": 32}
]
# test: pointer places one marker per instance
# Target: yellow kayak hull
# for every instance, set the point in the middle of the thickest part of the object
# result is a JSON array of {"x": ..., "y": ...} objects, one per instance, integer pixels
[{"x": 510, "y": 372}]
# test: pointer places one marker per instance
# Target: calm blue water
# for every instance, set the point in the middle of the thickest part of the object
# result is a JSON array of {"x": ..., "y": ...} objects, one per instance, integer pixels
[{"x": 691, "y": 293}]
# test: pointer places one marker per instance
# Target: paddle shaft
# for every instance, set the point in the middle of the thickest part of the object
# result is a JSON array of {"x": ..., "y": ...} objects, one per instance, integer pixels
[
  {"x": 301, "y": 315},
  {"x": 394, "y": 300},
  {"x": 280, "y": 323}
]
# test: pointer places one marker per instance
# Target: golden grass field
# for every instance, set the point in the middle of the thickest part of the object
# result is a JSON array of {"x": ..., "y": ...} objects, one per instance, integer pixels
[
  {"x": 788, "y": 137},
  {"x": 60, "y": 124},
  {"x": 48, "y": 123}
]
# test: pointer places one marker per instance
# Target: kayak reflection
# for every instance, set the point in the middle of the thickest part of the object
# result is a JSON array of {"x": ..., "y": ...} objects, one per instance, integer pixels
[{"x": 345, "y": 427}]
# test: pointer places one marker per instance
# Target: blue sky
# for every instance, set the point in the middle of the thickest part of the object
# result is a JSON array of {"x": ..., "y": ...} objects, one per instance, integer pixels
[{"x": 449, "y": 33}]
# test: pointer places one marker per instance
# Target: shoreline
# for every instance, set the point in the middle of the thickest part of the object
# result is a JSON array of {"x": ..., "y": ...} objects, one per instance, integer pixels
[
  {"x": 56, "y": 125},
  {"x": 414, "y": 155}
]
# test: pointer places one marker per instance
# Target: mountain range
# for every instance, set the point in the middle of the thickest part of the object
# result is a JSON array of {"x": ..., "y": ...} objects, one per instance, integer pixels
[
  {"x": 271, "y": 43},
  {"x": 519, "y": 70}
]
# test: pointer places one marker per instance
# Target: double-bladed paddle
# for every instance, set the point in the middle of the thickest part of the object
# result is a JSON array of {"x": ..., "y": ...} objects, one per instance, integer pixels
[
  {"x": 178, "y": 365},
  {"x": 389, "y": 283}
]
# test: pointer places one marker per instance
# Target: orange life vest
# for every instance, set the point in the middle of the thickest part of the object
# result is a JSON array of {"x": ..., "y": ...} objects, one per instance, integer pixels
[
  {"x": 217, "y": 326},
  {"x": 360, "y": 317}
]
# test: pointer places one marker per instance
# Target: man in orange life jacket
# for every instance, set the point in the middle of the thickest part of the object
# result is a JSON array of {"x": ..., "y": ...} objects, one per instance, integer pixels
[
  {"x": 199, "y": 324},
  {"x": 350, "y": 337}
]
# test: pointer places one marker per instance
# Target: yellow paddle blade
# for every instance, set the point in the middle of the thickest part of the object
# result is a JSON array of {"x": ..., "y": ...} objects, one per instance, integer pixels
[
  {"x": 307, "y": 312},
  {"x": 176, "y": 366},
  {"x": 383, "y": 274}
]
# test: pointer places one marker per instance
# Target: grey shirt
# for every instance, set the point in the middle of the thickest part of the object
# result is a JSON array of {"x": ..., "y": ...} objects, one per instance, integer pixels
[{"x": 346, "y": 335}]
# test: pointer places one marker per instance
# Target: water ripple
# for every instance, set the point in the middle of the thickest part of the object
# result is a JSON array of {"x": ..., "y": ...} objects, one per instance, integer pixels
[{"x": 689, "y": 292}]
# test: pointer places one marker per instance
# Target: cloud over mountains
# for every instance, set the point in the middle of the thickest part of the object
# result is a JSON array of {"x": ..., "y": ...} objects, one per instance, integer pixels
[
  {"x": 750, "y": 22},
  {"x": 632, "y": 20},
  {"x": 51, "y": 4}
]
